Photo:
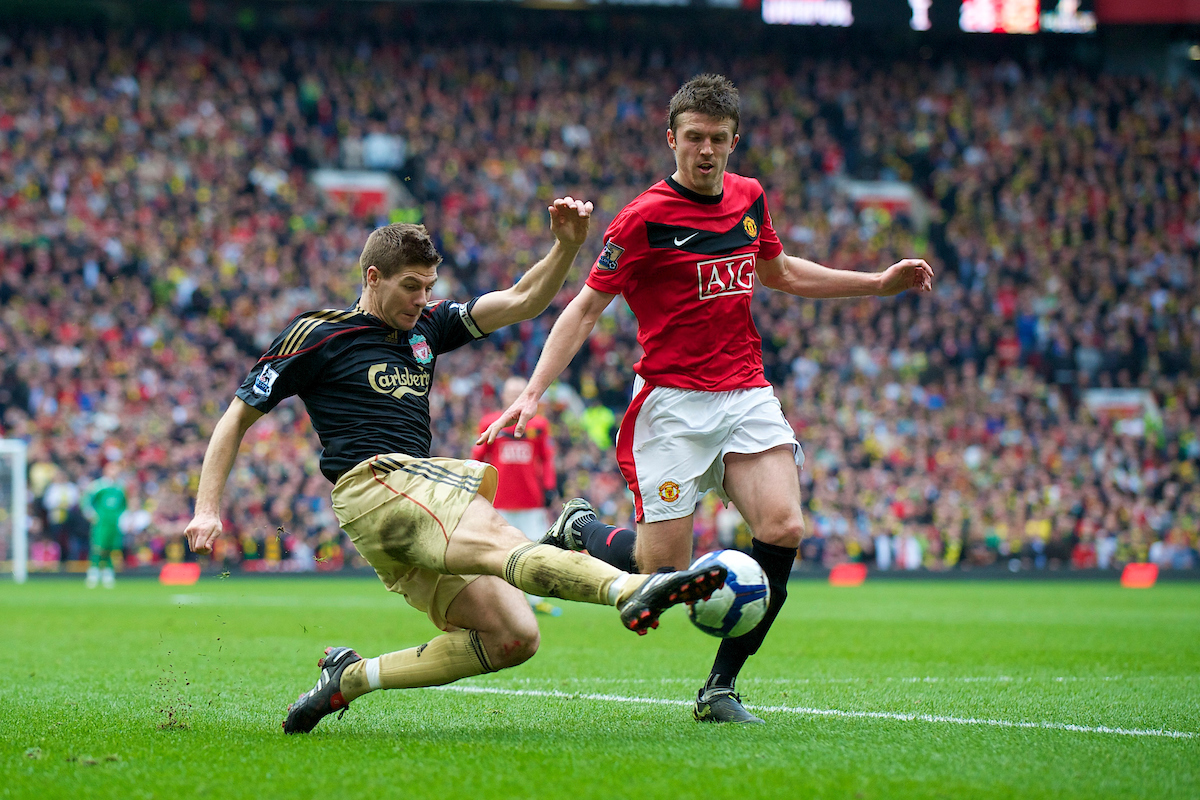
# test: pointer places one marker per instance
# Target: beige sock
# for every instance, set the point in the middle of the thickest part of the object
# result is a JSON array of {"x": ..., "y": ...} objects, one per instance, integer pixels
[
  {"x": 546, "y": 570},
  {"x": 439, "y": 661}
]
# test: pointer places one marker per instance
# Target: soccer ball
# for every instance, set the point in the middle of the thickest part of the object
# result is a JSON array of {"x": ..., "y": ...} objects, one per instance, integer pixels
[{"x": 740, "y": 604}]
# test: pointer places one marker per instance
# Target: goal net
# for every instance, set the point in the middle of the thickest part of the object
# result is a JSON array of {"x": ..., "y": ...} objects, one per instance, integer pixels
[{"x": 14, "y": 500}]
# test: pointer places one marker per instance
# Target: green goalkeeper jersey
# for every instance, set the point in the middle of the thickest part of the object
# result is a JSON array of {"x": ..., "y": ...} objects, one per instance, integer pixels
[{"x": 107, "y": 501}]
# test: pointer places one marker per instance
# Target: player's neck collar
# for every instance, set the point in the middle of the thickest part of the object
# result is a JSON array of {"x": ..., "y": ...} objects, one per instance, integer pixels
[
  {"x": 695, "y": 197},
  {"x": 359, "y": 308}
]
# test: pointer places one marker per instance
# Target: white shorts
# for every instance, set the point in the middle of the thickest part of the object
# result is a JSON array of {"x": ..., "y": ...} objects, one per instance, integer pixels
[
  {"x": 533, "y": 522},
  {"x": 672, "y": 443}
]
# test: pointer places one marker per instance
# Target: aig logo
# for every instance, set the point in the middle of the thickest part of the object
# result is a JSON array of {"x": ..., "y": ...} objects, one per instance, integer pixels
[
  {"x": 725, "y": 276},
  {"x": 516, "y": 453}
]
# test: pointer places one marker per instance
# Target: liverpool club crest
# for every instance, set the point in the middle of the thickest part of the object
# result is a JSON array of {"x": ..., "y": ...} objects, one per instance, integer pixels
[{"x": 422, "y": 352}]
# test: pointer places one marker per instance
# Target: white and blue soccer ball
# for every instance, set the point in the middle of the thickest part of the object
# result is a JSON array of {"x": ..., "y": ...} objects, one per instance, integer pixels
[{"x": 739, "y": 605}]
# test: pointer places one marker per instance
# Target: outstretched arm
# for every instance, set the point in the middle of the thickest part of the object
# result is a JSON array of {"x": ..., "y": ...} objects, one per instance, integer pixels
[
  {"x": 529, "y": 296},
  {"x": 805, "y": 278},
  {"x": 205, "y": 526},
  {"x": 566, "y": 337}
]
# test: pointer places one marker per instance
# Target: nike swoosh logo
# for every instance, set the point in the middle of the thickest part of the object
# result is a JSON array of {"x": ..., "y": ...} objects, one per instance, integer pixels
[{"x": 681, "y": 242}]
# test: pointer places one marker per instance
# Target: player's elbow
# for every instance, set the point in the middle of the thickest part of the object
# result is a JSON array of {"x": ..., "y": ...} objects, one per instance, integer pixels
[
  {"x": 772, "y": 280},
  {"x": 242, "y": 415},
  {"x": 586, "y": 309},
  {"x": 792, "y": 283}
]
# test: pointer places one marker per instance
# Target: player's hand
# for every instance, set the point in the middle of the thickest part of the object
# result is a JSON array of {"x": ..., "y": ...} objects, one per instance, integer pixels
[
  {"x": 569, "y": 220},
  {"x": 911, "y": 273},
  {"x": 202, "y": 531},
  {"x": 522, "y": 410}
]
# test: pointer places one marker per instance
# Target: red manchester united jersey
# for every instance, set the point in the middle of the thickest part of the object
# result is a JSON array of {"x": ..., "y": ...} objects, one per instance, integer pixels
[
  {"x": 526, "y": 465},
  {"x": 685, "y": 264}
]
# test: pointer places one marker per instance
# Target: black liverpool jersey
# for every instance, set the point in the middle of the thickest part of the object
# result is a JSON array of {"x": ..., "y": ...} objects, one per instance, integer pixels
[{"x": 365, "y": 385}]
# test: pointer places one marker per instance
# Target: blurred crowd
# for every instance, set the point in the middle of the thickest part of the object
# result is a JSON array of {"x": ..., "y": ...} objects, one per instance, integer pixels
[{"x": 158, "y": 227}]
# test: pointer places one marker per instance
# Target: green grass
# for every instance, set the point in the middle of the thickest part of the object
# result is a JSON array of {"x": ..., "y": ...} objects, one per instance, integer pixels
[{"x": 152, "y": 691}]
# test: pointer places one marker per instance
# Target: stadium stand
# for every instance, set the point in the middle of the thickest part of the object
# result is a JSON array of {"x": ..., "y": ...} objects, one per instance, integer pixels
[{"x": 159, "y": 226}]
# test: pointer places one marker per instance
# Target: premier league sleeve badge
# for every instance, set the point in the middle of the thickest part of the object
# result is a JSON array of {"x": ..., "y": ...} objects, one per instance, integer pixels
[{"x": 610, "y": 256}]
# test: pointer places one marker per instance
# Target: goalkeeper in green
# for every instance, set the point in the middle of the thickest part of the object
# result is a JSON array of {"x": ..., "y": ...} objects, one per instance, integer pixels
[{"x": 104, "y": 505}]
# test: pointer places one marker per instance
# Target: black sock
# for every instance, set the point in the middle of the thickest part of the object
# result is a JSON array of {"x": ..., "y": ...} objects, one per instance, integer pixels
[
  {"x": 610, "y": 545},
  {"x": 776, "y": 562}
]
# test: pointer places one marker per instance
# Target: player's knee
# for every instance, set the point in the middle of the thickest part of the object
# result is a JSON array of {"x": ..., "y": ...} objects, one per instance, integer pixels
[
  {"x": 516, "y": 644},
  {"x": 787, "y": 532},
  {"x": 793, "y": 531}
]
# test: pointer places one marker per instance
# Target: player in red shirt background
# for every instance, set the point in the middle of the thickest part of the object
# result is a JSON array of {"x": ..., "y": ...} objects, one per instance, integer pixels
[
  {"x": 685, "y": 255},
  {"x": 528, "y": 480}
]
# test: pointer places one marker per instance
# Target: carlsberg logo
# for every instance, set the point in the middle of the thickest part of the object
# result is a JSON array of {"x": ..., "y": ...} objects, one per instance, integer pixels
[{"x": 398, "y": 383}]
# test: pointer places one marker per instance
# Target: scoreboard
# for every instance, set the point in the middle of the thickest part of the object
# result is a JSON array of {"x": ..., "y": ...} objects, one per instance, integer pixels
[{"x": 971, "y": 16}]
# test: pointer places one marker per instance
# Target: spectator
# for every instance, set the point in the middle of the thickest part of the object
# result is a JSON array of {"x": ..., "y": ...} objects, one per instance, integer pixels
[
  {"x": 528, "y": 482},
  {"x": 156, "y": 201}
]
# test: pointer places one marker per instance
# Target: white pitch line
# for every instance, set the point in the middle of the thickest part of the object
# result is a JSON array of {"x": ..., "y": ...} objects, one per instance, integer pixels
[
  {"x": 891, "y": 679},
  {"x": 826, "y": 712}
]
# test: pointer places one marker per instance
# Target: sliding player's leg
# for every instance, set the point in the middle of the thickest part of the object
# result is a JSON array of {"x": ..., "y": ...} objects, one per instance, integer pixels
[
  {"x": 435, "y": 514},
  {"x": 483, "y": 543},
  {"x": 532, "y": 523},
  {"x": 488, "y": 625},
  {"x": 429, "y": 530}
]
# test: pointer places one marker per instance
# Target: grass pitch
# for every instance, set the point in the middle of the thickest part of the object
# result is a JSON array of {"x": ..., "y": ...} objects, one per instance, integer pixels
[{"x": 890, "y": 690}]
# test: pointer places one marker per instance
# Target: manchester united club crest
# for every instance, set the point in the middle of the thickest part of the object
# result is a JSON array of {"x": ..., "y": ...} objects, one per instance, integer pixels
[
  {"x": 750, "y": 226},
  {"x": 668, "y": 491},
  {"x": 422, "y": 352}
]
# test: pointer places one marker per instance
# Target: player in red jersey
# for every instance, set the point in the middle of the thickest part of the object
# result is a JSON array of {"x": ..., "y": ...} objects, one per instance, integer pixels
[
  {"x": 528, "y": 481},
  {"x": 686, "y": 254}
]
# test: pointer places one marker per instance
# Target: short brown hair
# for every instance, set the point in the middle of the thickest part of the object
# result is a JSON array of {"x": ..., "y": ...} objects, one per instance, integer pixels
[
  {"x": 712, "y": 95},
  {"x": 393, "y": 247}
]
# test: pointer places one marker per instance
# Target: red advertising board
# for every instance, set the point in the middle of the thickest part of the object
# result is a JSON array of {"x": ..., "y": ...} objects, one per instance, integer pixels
[{"x": 1117, "y": 12}]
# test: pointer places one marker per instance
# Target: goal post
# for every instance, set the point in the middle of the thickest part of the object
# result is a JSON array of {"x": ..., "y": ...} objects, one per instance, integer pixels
[{"x": 16, "y": 505}]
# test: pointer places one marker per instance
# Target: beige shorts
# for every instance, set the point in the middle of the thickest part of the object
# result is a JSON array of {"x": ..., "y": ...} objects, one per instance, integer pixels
[{"x": 400, "y": 511}]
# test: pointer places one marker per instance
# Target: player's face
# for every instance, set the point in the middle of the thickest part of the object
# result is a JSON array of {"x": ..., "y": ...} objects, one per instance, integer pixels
[
  {"x": 401, "y": 298},
  {"x": 702, "y": 145}
]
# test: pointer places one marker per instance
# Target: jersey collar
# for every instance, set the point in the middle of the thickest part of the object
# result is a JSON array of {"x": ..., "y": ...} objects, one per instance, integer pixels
[
  {"x": 695, "y": 197},
  {"x": 358, "y": 307}
]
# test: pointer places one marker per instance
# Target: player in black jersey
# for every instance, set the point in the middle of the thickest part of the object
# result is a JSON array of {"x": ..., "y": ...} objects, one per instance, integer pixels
[{"x": 425, "y": 524}]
